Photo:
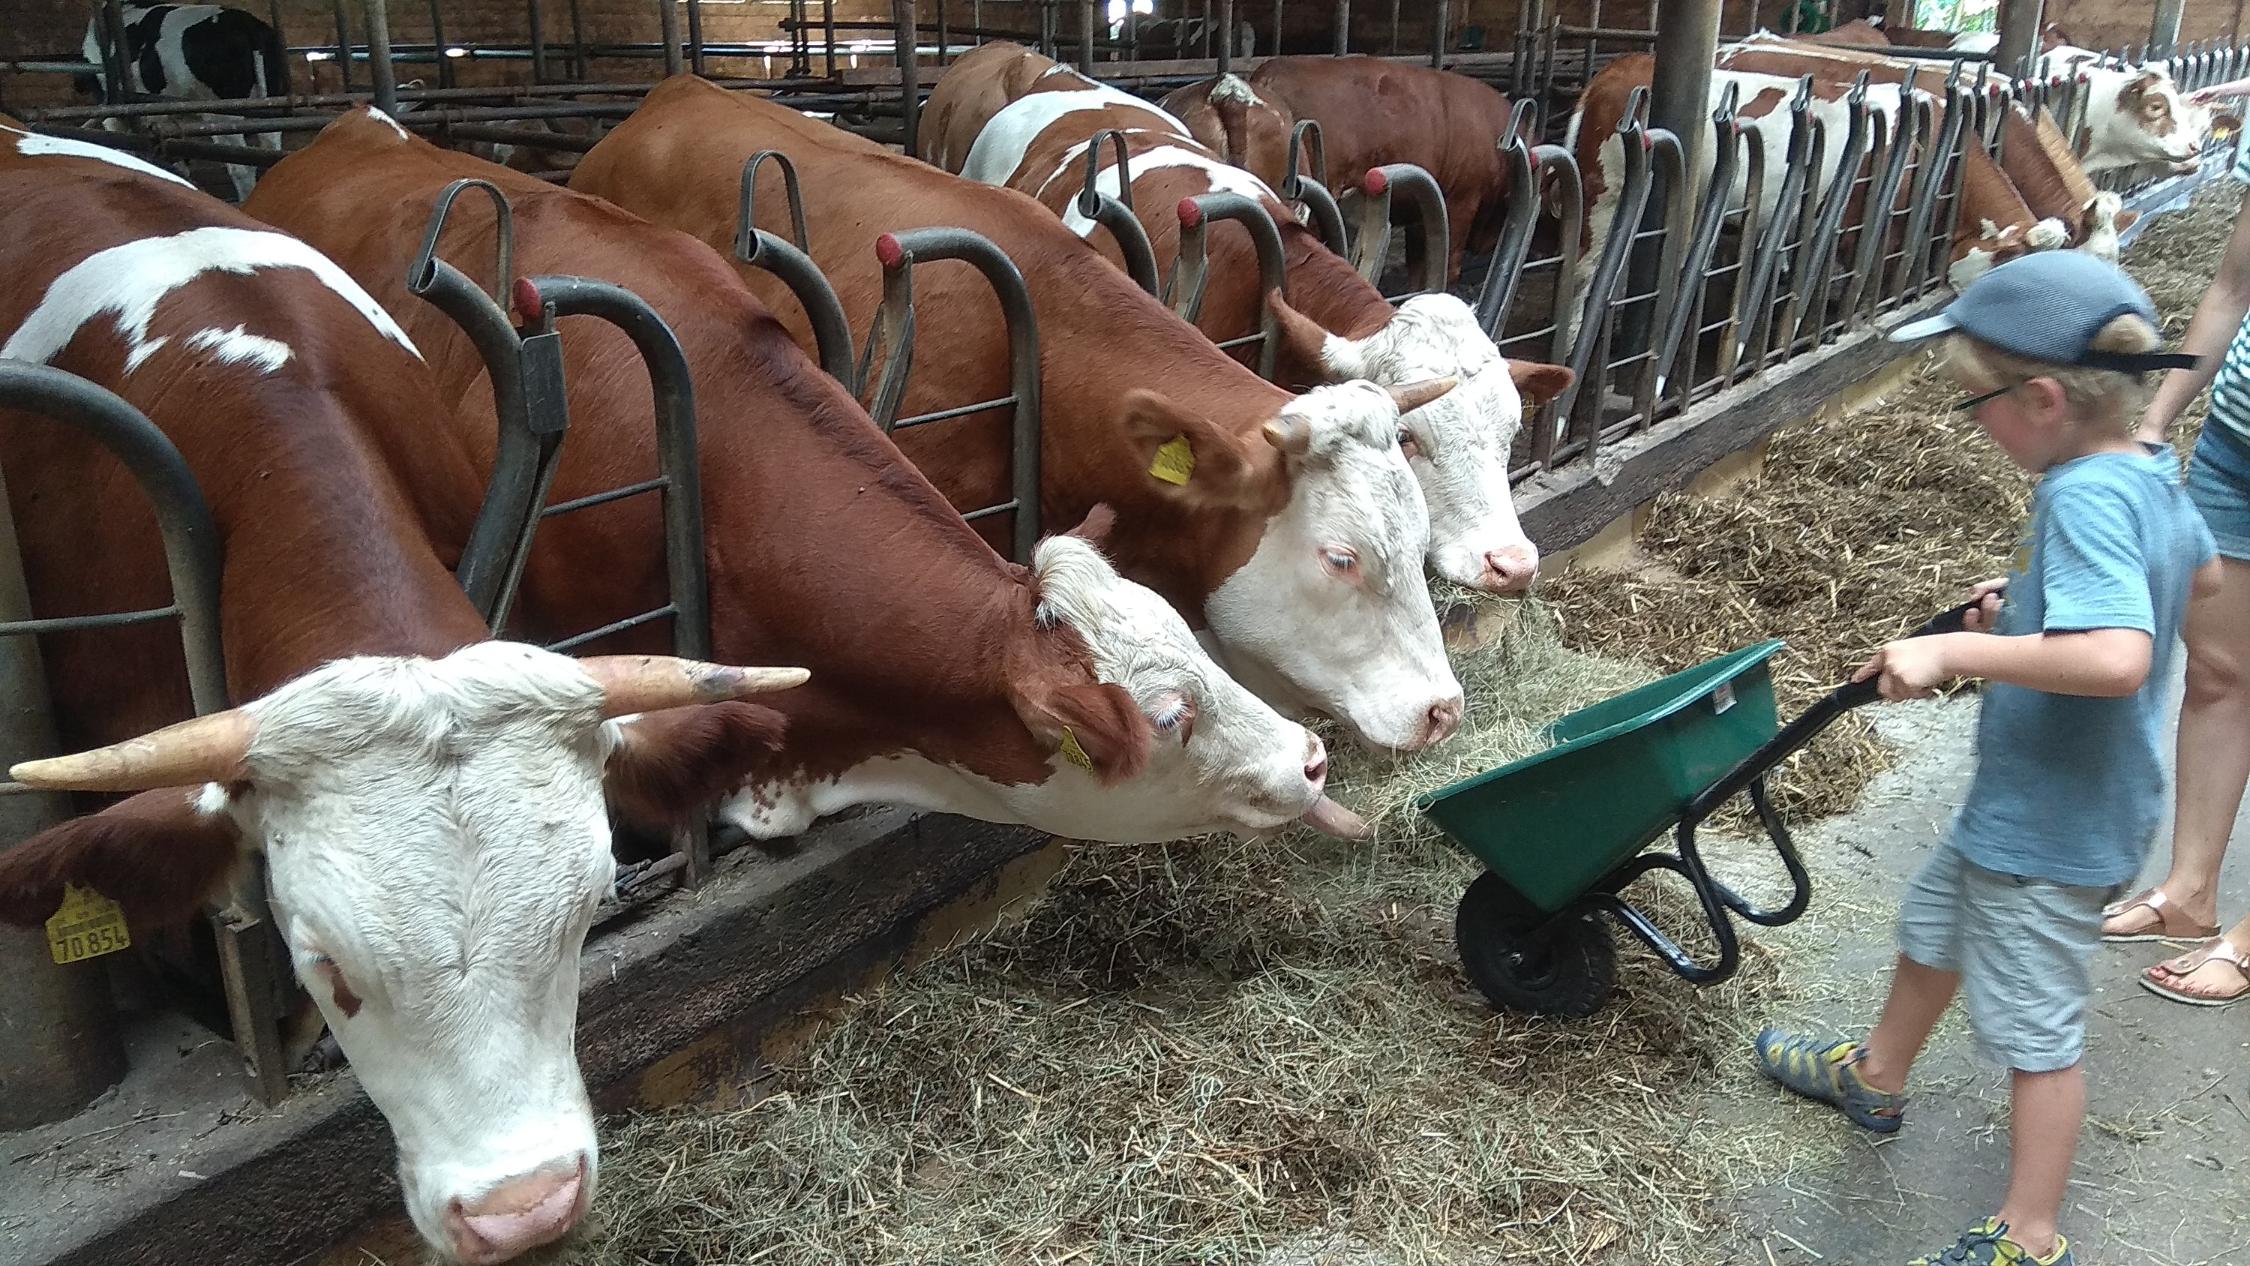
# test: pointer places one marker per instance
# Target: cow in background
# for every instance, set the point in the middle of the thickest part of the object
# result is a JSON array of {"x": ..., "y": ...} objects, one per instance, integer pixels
[{"x": 191, "y": 52}]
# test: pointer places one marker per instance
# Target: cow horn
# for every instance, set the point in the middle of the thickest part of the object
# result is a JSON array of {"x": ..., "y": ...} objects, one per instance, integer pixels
[
  {"x": 1414, "y": 395},
  {"x": 207, "y": 749},
  {"x": 648, "y": 683}
]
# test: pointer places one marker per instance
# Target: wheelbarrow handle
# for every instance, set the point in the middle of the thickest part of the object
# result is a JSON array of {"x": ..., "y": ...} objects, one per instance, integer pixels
[{"x": 1854, "y": 693}]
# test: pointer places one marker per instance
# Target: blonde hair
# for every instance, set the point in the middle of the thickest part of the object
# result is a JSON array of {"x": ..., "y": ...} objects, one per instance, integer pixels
[{"x": 2096, "y": 396}]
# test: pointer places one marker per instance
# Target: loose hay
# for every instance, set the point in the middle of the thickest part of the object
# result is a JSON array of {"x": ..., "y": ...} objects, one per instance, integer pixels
[
  {"x": 1205, "y": 1051},
  {"x": 1225, "y": 1052}
]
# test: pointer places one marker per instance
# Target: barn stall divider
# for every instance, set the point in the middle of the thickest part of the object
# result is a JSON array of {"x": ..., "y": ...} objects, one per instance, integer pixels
[{"x": 1792, "y": 299}]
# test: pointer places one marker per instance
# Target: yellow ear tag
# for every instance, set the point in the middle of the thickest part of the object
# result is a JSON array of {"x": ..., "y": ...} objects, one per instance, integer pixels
[
  {"x": 88, "y": 925},
  {"x": 1175, "y": 461},
  {"x": 1075, "y": 754}
]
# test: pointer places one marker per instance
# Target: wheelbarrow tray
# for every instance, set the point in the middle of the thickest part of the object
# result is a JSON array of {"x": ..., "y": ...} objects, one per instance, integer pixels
[{"x": 1620, "y": 773}]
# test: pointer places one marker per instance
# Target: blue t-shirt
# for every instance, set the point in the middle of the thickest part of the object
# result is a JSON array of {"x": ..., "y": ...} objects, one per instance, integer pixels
[{"x": 2068, "y": 788}]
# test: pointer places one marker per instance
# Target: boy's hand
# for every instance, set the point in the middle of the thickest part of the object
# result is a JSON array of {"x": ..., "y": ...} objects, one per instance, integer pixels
[
  {"x": 1910, "y": 668},
  {"x": 1988, "y": 595}
]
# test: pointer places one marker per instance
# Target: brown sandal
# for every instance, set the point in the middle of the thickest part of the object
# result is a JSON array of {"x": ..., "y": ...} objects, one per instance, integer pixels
[
  {"x": 2219, "y": 948},
  {"x": 2160, "y": 905}
]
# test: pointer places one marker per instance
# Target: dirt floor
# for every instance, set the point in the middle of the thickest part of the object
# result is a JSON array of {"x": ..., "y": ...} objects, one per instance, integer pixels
[{"x": 1264, "y": 1052}]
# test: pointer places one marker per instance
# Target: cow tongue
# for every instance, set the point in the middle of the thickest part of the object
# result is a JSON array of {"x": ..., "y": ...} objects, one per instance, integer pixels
[{"x": 1330, "y": 818}]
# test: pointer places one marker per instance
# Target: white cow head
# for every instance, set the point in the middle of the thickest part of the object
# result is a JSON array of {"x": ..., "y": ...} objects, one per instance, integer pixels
[
  {"x": 1327, "y": 609},
  {"x": 2140, "y": 116},
  {"x": 1458, "y": 445},
  {"x": 1160, "y": 744},
  {"x": 1222, "y": 759},
  {"x": 436, "y": 841}
]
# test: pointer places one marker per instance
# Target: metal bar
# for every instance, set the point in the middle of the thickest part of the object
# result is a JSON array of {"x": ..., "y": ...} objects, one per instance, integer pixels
[
  {"x": 1427, "y": 251},
  {"x": 379, "y": 66},
  {"x": 1343, "y": 27},
  {"x": 1086, "y": 10},
  {"x": 1813, "y": 284},
  {"x": 2019, "y": 34},
  {"x": 578, "y": 42},
  {"x": 1225, "y": 12},
  {"x": 603, "y": 498},
  {"x": 590, "y": 636},
  {"x": 695, "y": 36},
  {"x": 2164, "y": 28},
  {"x": 1441, "y": 31},
  {"x": 898, "y": 253},
  {"x": 537, "y": 29},
  {"x": 668, "y": 25},
  {"x": 437, "y": 41},
  {"x": 947, "y": 415},
  {"x": 1521, "y": 216},
  {"x": 674, "y": 396},
  {"x": 28, "y": 627},
  {"x": 1632, "y": 195},
  {"x": 1197, "y": 214},
  {"x": 791, "y": 262},
  {"x": 909, "y": 74}
]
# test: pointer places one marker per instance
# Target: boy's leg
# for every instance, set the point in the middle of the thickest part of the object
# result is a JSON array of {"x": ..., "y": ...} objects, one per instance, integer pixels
[
  {"x": 1919, "y": 996},
  {"x": 2027, "y": 973},
  {"x": 2049, "y": 1109}
]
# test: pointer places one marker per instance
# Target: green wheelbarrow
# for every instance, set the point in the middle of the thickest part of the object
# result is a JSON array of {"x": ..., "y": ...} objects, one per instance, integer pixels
[{"x": 1562, "y": 832}]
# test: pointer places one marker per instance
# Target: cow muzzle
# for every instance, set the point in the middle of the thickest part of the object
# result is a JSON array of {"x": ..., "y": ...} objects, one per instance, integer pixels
[{"x": 518, "y": 1215}]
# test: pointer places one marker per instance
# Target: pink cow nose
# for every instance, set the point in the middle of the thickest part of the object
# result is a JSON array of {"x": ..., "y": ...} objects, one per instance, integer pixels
[
  {"x": 1316, "y": 763},
  {"x": 1511, "y": 570},
  {"x": 1443, "y": 719},
  {"x": 518, "y": 1215}
]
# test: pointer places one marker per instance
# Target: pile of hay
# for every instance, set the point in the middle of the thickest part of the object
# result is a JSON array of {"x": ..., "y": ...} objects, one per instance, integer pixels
[{"x": 1210, "y": 1051}]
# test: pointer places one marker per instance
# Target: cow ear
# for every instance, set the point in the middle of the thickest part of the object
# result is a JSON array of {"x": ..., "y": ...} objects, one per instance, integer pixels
[
  {"x": 1182, "y": 453},
  {"x": 2124, "y": 220},
  {"x": 1095, "y": 724},
  {"x": 1307, "y": 355},
  {"x": 1095, "y": 528},
  {"x": 159, "y": 855},
  {"x": 1538, "y": 382},
  {"x": 672, "y": 766}
]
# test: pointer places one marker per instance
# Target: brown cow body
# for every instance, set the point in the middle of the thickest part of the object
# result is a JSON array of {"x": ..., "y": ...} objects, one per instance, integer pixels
[
  {"x": 1373, "y": 112},
  {"x": 1121, "y": 377},
  {"x": 960, "y": 694}
]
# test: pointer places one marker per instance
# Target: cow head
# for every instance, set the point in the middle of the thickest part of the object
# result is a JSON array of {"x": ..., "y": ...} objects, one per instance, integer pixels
[
  {"x": 1458, "y": 445},
  {"x": 2153, "y": 122},
  {"x": 1204, "y": 754},
  {"x": 436, "y": 843},
  {"x": 1328, "y": 610},
  {"x": 1996, "y": 244}
]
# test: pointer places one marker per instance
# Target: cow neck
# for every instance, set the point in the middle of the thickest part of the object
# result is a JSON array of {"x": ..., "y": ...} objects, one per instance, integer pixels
[
  {"x": 915, "y": 631},
  {"x": 1326, "y": 288}
]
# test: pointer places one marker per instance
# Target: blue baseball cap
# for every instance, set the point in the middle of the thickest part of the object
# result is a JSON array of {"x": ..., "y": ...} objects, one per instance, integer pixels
[{"x": 2048, "y": 307}]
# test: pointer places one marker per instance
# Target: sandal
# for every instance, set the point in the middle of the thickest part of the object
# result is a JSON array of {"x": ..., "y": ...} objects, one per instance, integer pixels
[
  {"x": 2167, "y": 980},
  {"x": 2160, "y": 905}
]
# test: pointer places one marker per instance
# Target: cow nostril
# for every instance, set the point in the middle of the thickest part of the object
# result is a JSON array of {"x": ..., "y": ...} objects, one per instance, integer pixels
[
  {"x": 1444, "y": 719},
  {"x": 1316, "y": 769},
  {"x": 1511, "y": 570}
]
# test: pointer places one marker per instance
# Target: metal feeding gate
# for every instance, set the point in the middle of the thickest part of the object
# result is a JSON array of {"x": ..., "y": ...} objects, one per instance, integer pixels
[
  {"x": 525, "y": 365},
  {"x": 250, "y": 950}
]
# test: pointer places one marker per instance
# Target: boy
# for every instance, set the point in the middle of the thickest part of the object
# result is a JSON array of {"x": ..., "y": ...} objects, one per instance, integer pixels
[{"x": 2068, "y": 781}]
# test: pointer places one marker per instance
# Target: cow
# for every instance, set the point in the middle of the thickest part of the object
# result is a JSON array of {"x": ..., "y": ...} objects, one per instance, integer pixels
[
  {"x": 1373, "y": 112},
  {"x": 1288, "y": 527},
  {"x": 2047, "y": 177},
  {"x": 428, "y": 802},
  {"x": 984, "y": 80},
  {"x": 943, "y": 677},
  {"x": 1872, "y": 32},
  {"x": 1227, "y": 115},
  {"x": 191, "y": 52},
  {"x": 1337, "y": 325},
  {"x": 2136, "y": 115}
]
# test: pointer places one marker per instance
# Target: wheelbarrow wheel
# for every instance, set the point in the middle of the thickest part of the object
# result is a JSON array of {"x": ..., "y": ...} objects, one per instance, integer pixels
[{"x": 1567, "y": 972}]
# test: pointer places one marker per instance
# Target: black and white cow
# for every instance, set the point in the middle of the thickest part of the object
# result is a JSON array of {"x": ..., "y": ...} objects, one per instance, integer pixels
[{"x": 191, "y": 52}]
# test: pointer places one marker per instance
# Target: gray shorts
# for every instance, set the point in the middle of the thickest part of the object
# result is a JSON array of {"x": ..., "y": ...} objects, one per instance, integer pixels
[{"x": 2024, "y": 949}]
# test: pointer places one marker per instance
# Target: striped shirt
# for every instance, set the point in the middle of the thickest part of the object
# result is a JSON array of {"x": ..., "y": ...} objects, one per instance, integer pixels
[{"x": 2230, "y": 390}]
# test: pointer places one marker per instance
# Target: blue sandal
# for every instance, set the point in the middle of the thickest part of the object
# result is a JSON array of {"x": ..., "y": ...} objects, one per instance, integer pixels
[
  {"x": 1987, "y": 1244},
  {"x": 1829, "y": 1074}
]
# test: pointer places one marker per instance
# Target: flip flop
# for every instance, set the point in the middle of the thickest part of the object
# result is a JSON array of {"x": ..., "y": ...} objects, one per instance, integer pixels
[
  {"x": 2217, "y": 947},
  {"x": 2160, "y": 905}
]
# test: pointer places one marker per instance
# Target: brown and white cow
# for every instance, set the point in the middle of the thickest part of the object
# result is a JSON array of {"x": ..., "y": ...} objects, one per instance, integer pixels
[
  {"x": 982, "y": 82},
  {"x": 1995, "y": 223},
  {"x": 943, "y": 676},
  {"x": 1337, "y": 325},
  {"x": 1228, "y": 115},
  {"x": 2136, "y": 115},
  {"x": 1374, "y": 112},
  {"x": 429, "y": 802},
  {"x": 1295, "y": 540}
]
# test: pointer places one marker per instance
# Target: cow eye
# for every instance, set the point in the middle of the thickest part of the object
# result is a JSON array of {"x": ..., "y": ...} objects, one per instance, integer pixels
[
  {"x": 1341, "y": 561},
  {"x": 1407, "y": 443}
]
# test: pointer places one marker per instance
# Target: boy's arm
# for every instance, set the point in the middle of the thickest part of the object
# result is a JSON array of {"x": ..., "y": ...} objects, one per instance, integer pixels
[{"x": 2101, "y": 663}]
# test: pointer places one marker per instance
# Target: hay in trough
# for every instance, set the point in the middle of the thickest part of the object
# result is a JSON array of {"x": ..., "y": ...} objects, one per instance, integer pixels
[{"x": 1210, "y": 1052}]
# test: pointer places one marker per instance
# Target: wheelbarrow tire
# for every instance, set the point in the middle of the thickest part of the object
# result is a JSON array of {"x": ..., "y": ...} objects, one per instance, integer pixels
[{"x": 1568, "y": 973}]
